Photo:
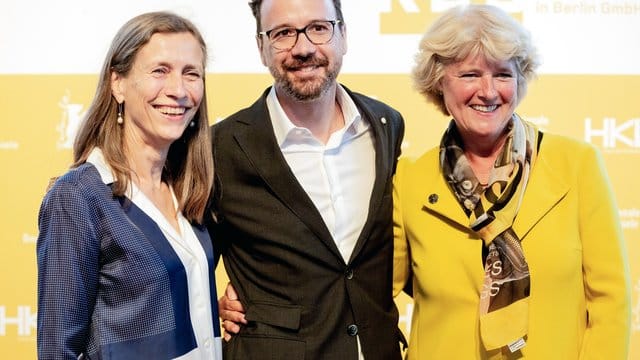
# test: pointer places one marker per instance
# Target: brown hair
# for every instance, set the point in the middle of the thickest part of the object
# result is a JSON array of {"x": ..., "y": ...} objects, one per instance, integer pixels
[
  {"x": 189, "y": 164},
  {"x": 255, "y": 9}
]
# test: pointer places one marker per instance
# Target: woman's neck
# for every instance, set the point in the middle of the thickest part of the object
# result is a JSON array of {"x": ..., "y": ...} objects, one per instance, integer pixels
[
  {"x": 482, "y": 157},
  {"x": 147, "y": 174}
]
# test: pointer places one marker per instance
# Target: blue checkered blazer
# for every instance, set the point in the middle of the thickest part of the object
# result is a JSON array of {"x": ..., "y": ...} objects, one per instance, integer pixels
[{"x": 110, "y": 285}]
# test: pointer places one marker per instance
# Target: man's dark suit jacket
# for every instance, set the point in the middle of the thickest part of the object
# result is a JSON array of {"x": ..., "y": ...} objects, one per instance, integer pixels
[{"x": 302, "y": 300}]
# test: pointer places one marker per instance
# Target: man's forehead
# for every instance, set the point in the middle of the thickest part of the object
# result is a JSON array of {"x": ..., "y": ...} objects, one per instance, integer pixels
[{"x": 295, "y": 12}]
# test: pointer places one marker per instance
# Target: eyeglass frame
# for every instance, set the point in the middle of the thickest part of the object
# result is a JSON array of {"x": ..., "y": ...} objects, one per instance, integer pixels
[{"x": 303, "y": 31}]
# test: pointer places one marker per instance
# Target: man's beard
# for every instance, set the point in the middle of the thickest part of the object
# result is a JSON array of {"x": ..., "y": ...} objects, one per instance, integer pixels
[{"x": 305, "y": 90}]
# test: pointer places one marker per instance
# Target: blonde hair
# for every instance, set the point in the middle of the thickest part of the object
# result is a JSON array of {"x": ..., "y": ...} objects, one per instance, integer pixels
[{"x": 472, "y": 30}]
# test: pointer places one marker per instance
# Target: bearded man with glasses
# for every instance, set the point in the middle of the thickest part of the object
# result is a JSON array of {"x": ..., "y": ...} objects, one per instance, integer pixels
[{"x": 303, "y": 201}]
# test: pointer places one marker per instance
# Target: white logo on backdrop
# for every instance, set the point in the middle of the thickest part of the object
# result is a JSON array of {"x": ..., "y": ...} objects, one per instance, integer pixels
[
  {"x": 616, "y": 136},
  {"x": 542, "y": 122},
  {"x": 29, "y": 238},
  {"x": 630, "y": 218},
  {"x": 9, "y": 145},
  {"x": 70, "y": 121},
  {"x": 25, "y": 321}
]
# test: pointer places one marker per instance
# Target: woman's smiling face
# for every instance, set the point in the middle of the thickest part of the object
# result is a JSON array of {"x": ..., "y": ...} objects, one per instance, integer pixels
[
  {"x": 163, "y": 90},
  {"x": 481, "y": 96}
]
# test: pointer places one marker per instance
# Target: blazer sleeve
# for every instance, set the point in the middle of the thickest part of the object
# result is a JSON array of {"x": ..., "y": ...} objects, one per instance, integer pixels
[
  {"x": 401, "y": 263},
  {"x": 68, "y": 253},
  {"x": 605, "y": 265}
]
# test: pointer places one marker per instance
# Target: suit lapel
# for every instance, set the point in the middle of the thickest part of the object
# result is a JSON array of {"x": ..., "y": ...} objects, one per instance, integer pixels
[
  {"x": 256, "y": 138},
  {"x": 382, "y": 171}
]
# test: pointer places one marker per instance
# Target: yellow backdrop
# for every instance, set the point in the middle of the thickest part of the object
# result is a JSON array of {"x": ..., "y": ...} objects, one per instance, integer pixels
[{"x": 41, "y": 110}]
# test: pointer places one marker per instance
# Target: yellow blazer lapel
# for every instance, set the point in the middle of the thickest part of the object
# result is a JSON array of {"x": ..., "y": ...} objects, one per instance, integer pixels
[
  {"x": 438, "y": 198},
  {"x": 545, "y": 189}
]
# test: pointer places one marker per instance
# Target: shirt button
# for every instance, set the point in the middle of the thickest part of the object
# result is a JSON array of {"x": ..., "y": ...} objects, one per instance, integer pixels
[
  {"x": 352, "y": 330},
  {"x": 433, "y": 198},
  {"x": 349, "y": 274},
  {"x": 467, "y": 185}
]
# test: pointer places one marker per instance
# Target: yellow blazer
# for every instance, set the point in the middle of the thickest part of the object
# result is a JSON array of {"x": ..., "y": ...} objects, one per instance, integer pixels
[{"x": 580, "y": 302}]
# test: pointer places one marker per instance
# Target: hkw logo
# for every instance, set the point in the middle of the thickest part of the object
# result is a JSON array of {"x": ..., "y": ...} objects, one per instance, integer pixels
[
  {"x": 612, "y": 133},
  {"x": 26, "y": 321}
]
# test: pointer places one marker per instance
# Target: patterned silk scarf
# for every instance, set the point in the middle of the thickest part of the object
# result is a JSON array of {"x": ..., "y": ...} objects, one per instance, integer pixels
[{"x": 492, "y": 209}]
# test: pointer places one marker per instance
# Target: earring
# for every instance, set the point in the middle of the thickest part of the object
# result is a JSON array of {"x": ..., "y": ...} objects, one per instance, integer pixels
[
  {"x": 120, "y": 110},
  {"x": 192, "y": 124}
]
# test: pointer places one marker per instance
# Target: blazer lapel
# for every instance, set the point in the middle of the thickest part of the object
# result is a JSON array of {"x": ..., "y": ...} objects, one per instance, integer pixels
[
  {"x": 544, "y": 190},
  {"x": 257, "y": 140},
  {"x": 438, "y": 197},
  {"x": 382, "y": 171},
  {"x": 205, "y": 240}
]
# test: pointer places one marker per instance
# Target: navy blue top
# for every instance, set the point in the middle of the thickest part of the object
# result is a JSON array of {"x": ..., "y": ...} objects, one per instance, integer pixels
[{"x": 110, "y": 285}]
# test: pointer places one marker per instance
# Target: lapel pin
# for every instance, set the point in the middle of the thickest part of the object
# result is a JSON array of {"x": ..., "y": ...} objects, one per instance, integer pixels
[{"x": 383, "y": 120}]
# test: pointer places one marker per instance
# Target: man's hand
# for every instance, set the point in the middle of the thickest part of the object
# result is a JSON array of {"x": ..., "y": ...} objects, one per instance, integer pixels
[{"x": 231, "y": 312}]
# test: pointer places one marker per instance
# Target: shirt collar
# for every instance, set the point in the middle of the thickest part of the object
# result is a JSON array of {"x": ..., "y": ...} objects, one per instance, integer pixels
[
  {"x": 283, "y": 127},
  {"x": 96, "y": 158}
]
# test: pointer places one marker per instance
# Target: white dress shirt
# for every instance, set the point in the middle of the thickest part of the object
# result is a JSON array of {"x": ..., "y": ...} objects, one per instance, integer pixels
[
  {"x": 186, "y": 245},
  {"x": 338, "y": 176}
]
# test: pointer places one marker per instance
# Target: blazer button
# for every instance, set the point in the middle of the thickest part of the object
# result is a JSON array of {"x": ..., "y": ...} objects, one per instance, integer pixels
[
  {"x": 433, "y": 198},
  {"x": 349, "y": 274},
  {"x": 352, "y": 330}
]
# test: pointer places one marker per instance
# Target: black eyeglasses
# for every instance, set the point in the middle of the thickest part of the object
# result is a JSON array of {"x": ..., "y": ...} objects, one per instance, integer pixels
[{"x": 285, "y": 37}]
